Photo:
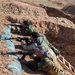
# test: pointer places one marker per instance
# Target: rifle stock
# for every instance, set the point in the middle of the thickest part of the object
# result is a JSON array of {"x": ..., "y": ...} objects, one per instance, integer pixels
[
  {"x": 17, "y": 39},
  {"x": 24, "y": 53}
]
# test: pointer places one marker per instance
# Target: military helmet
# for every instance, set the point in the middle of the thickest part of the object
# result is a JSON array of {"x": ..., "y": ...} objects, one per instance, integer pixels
[
  {"x": 26, "y": 22},
  {"x": 35, "y": 35}
]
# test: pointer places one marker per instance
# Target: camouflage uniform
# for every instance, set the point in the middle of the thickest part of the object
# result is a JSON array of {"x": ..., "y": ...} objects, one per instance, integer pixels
[
  {"x": 26, "y": 31},
  {"x": 42, "y": 40},
  {"x": 51, "y": 68}
]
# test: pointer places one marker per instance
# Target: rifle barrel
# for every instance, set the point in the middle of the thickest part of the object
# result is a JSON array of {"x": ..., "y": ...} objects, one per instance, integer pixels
[{"x": 21, "y": 52}]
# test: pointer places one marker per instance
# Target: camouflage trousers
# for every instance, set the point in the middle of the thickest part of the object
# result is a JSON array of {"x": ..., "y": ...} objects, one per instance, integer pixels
[
  {"x": 51, "y": 67},
  {"x": 52, "y": 70}
]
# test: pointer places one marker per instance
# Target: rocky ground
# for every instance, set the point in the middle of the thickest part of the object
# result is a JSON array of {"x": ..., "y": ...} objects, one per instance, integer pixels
[{"x": 56, "y": 21}]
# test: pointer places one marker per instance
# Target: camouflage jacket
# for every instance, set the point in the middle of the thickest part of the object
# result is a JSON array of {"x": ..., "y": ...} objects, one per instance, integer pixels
[
  {"x": 27, "y": 31},
  {"x": 42, "y": 40}
]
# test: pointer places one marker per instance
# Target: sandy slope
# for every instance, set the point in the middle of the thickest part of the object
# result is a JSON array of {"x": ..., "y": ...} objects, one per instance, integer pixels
[{"x": 60, "y": 31}]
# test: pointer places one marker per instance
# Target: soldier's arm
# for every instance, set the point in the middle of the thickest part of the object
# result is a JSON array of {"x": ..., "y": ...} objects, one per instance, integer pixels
[{"x": 28, "y": 47}]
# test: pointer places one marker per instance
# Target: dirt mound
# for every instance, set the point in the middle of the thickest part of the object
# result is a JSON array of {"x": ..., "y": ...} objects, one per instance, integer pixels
[
  {"x": 63, "y": 2},
  {"x": 19, "y": 8},
  {"x": 70, "y": 9},
  {"x": 58, "y": 13}
]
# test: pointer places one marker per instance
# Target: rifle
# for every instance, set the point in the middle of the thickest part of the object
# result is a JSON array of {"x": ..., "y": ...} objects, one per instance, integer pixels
[
  {"x": 18, "y": 39},
  {"x": 24, "y": 53},
  {"x": 16, "y": 25}
]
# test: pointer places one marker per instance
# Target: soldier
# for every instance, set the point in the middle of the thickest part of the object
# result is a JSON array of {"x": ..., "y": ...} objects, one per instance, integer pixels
[
  {"x": 24, "y": 29},
  {"x": 37, "y": 40},
  {"x": 46, "y": 62},
  {"x": 47, "y": 65}
]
